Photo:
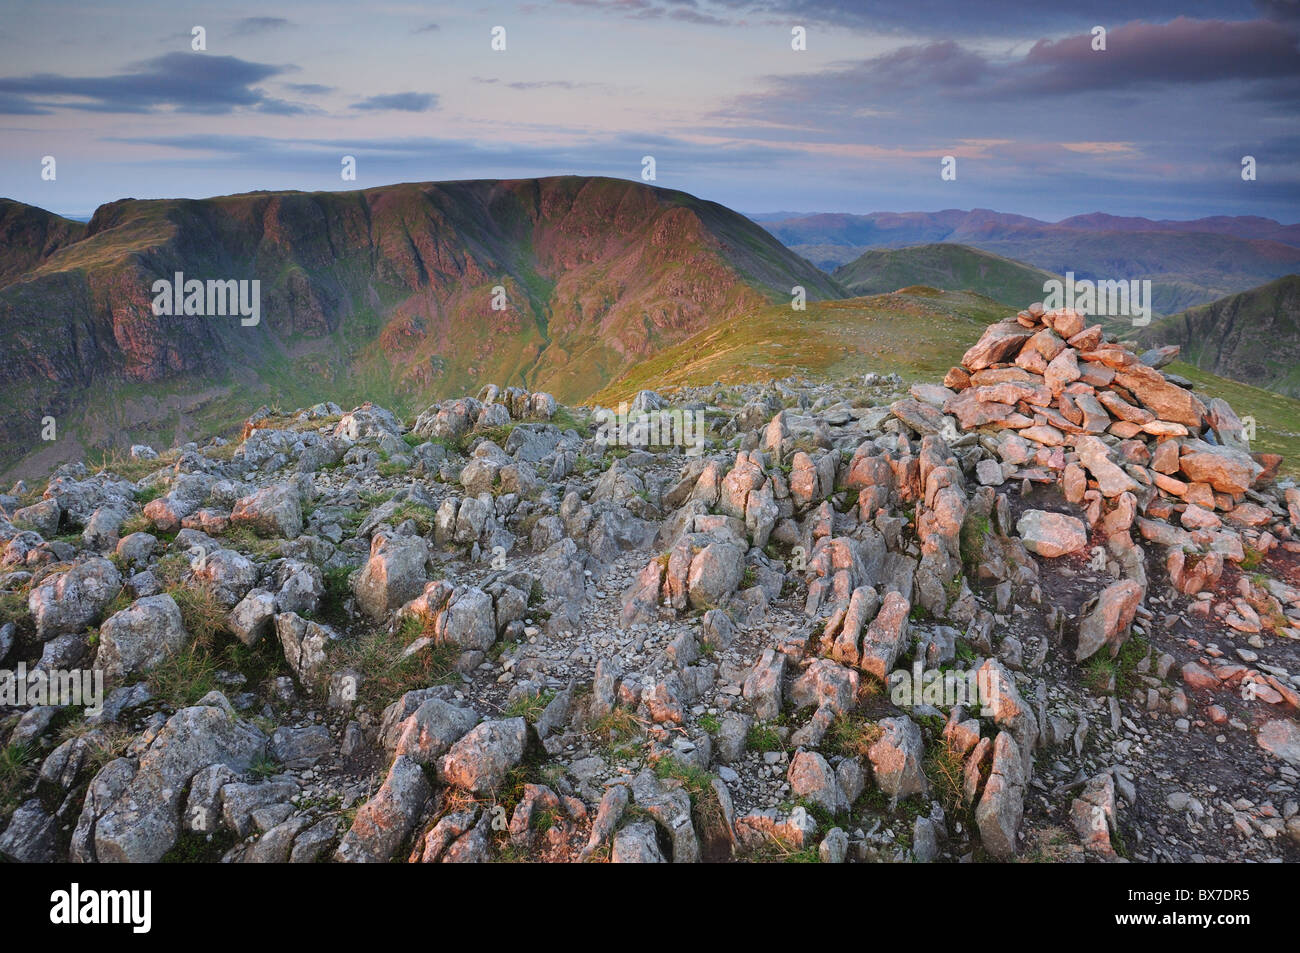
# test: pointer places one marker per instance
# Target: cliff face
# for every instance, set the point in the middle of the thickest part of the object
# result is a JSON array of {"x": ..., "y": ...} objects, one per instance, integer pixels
[
  {"x": 386, "y": 292},
  {"x": 1252, "y": 337}
]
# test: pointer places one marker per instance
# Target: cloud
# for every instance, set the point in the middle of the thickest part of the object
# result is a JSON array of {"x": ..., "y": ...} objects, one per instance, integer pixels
[
  {"x": 250, "y": 26},
  {"x": 427, "y": 28},
  {"x": 1140, "y": 54},
  {"x": 403, "y": 102},
  {"x": 309, "y": 89},
  {"x": 185, "y": 82}
]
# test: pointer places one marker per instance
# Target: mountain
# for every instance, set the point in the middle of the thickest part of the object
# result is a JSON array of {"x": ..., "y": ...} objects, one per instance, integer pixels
[
  {"x": 946, "y": 266},
  {"x": 28, "y": 235},
  {"x": 1252, "y": 337},
  {"x": 1188, "y": 263},
  {"x": 386, "y": 293}
]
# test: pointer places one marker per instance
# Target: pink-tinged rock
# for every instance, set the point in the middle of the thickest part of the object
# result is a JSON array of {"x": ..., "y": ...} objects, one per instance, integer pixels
[
  {"x": 1281, "y": 737},
  {"x": 1169, "y": 485},
  {"x": 1200, "y": 678},
  {"x": 1164, "y": 428},
  {"x": 1095, "y": 455},
  {"x": 1002, "y": 375},
  {"x": 1194, "y": 517},
  {"x": 1047, "y": 343},
  {"x": 1096, "y": 375},
  {"x": 883, "y": 638},
  {"x": 974, "y": 410},
  {"x": 1231, "y": 471},
  {"x": 999, "y": 342},
  {"x": 1123, "y": 409},
  {"x": 1063, "y": 369},
  {"x": 1166, "y": 400},
  {"x": 1031, "y": 360},
  {"x": 1095, "y": 418},
  {"x": 1066, "y": 321},
  {"x": 1191, "y": 574},
  {"x": 1074, "y": 482},
  {"x": 1109, "y": 622},
  {"x": 1087, "y": 339},
  {"x": 1165, "y": 458},
  {"x": 1051, "y": 534},
  {"x": 1250, "y": 514},
  {"x": 1048, "y": 436},
  {"x": 1009, "y": 392}
]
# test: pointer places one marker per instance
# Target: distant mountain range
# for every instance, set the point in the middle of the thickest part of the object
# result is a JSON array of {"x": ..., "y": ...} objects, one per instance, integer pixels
[
  {"x": 1188, "y": 263},
  {"x": 386, "y": 293}
]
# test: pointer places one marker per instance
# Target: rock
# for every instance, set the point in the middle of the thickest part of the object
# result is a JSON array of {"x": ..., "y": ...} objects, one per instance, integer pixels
[
  {"x": 388, "y": 818},
  {"x": 1001, "y": 807},
  {"x": 1108, "y": 623},
  {"x": 253, "y": 616},
  {"x": 132, "y": 810},
  {"x": 812, "y": 778},
  {"x": 896, "y": 758},
  {"x": 1051, "y": 534},
  {"x": 480, "y": 761},
  {"x": 273, "y": 511},
  {"x": 763, "y": 686},
  {"x": 434, "y": 727},
  {"x": 394, "y": 574},
  {"x": 1281, "y": 737},
  {"x": 299, "y": 748},
  {"x": 999, "y": 342},
  {"x": 883, "y": 639},
  {"x": 637, "y": 843},
  {"x": 30, "y": 836},
  {"x": 74, "y": 599},
  {"x": 140, "y": 637}
]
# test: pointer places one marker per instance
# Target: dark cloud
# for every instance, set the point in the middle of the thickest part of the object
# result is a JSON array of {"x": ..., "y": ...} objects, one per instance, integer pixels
[
  {"x": 403, "y": 102},
  {"x": 1139, "y": 54},
  {"x": 186, "y": 82},
  {"x": 427, "y": 28}
]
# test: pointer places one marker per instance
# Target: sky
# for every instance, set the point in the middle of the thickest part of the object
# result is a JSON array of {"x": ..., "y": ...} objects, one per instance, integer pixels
[{"x": 1038, "y": 120}]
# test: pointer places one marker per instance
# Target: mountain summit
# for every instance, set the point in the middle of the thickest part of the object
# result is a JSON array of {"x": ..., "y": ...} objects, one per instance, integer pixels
[{"x": 403, "y": 293}]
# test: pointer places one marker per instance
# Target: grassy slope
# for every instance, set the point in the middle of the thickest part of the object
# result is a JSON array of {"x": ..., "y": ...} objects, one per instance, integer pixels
[
  {"x": 1277, "y": 418},
  {"x": 917, "y": 332},
  {"x": 947, "y": 266}
]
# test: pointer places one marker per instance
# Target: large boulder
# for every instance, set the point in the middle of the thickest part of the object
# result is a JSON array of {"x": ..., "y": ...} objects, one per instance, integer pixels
[
  {"x": 394, "y": 574},
  {"x": 140, "y": 637},
  {"x": 132, "y": 808},
  {"x": 1051, "y": 534},
  {"x": 271, "y": 511},
  {"x": 74, "y": 599}
]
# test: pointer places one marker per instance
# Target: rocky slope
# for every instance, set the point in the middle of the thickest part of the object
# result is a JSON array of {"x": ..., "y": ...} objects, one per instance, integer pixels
[
  {"x": 1252, "y": 337},
  {"x": 386, "y": 294},
  {"x": 508, "y": 630}
]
